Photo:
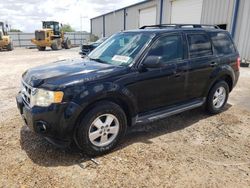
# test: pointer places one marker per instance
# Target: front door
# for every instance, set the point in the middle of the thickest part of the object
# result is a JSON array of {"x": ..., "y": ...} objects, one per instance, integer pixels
[{"x": 164, "y": 85}]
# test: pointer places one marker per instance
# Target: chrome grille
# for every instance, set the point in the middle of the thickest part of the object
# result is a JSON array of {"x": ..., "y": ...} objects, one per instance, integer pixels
[
  {"x": 86, "y": 51},
  {"x": 39, "y": 35},
  {"x": 26, "y": 93}
]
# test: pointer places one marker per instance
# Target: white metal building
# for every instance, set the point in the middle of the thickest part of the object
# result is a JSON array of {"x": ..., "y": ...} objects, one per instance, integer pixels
[{"x": 232, "y": 15}]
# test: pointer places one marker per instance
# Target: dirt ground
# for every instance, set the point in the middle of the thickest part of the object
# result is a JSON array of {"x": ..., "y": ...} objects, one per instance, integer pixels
[{"x": 191, "y": 149}]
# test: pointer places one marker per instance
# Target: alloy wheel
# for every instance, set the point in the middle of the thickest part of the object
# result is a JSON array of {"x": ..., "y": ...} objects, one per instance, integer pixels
[
  {"x": 103, "y": 130},
  {"x": 219, "y": 97}
]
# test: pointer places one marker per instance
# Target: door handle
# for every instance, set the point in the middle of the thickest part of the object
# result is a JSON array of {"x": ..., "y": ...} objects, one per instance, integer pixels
[{"x": 213, "y": 64}]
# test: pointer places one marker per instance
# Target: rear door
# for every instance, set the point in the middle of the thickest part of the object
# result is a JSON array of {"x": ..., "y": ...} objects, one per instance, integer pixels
[
  {"x": 202, "y": 62},
  {"x": 224, "y": 48}
]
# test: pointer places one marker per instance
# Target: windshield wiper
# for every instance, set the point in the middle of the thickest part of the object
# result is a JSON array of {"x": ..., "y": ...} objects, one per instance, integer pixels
[{"x": 98, "y": 60}]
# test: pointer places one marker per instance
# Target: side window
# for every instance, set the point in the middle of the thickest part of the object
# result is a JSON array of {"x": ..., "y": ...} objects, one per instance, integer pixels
[
  {"x": 199, "y": 45},
  {"x": 169, "y": 48},
  {"x": 222, "y": 43}
]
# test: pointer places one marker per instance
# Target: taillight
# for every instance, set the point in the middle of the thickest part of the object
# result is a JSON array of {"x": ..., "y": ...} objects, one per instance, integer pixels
[{"x": 238, "y": 63}]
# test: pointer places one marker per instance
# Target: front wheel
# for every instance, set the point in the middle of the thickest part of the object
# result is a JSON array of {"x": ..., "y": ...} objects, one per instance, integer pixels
[
  {"x": 56, "y": 44},
  {"x": 10, "y": 46},
  {"x": 41, "y": 48},
  {"x": 67, "y": 44},
  {"x": 217, "y": 97},
  {"x": 101, "y": 129}
]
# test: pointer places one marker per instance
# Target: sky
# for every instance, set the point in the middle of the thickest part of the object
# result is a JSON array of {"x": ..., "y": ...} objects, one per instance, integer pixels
[{"x": 26, "y": 15}]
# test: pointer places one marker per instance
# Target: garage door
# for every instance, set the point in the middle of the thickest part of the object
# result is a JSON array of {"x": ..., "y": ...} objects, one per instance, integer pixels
[
  {"x": 147, "y": 16},
  {"x": 186, "y": 11}
]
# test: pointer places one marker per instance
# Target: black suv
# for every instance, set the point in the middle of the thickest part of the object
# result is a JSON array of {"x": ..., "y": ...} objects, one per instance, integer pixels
[{"x": 133, "y": 77}]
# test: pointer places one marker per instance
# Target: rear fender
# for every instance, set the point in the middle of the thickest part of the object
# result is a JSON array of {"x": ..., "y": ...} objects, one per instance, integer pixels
[{"x": 218, "y": 74}]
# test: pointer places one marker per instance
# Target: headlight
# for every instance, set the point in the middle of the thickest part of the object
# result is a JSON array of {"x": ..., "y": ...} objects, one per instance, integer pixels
[{"x": 41, "y": 97}]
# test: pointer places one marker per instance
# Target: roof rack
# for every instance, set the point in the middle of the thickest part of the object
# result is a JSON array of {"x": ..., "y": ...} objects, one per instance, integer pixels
[{"x": 177, "y": 26}]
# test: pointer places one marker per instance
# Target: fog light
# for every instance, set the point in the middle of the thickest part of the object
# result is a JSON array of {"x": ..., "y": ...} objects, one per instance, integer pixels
[{"x": 41, "y": 127}]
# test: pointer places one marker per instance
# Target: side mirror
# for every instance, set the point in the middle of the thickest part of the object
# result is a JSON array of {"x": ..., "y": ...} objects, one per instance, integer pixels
[{"x": 152, "y": 62}]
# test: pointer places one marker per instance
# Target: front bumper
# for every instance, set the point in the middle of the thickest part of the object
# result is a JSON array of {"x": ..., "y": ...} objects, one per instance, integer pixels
[
  {"x": 83, "y": 53},
  {"x": 44, "y": 42},
  {"x": 56, "y": 123},
  {"x": 237, "y": 75},
  {"x": 4, "y": 43}
]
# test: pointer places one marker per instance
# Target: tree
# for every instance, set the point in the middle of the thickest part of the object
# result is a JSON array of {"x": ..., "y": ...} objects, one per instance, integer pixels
[
  {"x": 67, "y": 28},
  {"x": 15, "y": 30}
]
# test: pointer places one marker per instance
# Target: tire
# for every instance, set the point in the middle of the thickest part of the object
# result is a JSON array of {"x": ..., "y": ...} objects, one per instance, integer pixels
[
  {"x": 96, "y": 116},
  {"x": 56, "y": 45},
  {"x": 67, "y": 44},
  {"x": 244, "y": 64},
  {"x": 41, "y": 48},
  {"x": 217, "y": 97},
  {"x": 10, "y": 46}
]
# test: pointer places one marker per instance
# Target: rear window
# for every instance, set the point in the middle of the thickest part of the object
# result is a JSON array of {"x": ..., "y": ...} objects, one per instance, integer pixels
[
  {"x": 222, "y": 43},
  {"x": 199, "y": 45}
]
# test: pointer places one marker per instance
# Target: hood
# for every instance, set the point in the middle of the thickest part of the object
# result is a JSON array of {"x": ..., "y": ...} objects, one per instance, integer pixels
[
  {"x": 66, "y": 72},
  {"x": 90, "y": 45}
]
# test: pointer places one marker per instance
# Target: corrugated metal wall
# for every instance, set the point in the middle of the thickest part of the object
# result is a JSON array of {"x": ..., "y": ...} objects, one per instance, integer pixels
[
  {"x": 114, "y": 22},
  {"x": 166, "y": 11},
  {"x": 213, "y": 12},
  {"x": 132, "y": 18},
  {"x": 217, "y": 12},
  {"x": 97, "y": 26},
  {"x": 242, "y": 35}
]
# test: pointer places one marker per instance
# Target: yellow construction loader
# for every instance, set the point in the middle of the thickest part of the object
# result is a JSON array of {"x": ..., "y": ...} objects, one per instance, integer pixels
[
  {"x": 5, "y": 40},
  {"x": 50, "y": 36}
]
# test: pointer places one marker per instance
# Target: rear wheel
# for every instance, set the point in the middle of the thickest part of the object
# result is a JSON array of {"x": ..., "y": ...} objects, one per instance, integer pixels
[
  {"x": 56, "y": 45},
  {"x": 101, "y": 129},
  {"x": 217, "y": 97},
  {"x": 41, "y": 48},
  {"x": 67, "y": 44},
  {"x": 10, "y": 46}
]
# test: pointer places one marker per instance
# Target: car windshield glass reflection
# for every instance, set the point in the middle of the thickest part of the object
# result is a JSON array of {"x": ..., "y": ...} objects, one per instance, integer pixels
[{"x": 120, "y": 49}]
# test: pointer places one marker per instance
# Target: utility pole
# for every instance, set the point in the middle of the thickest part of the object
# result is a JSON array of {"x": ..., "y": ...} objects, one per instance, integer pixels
[{"x": 81, "y": 32}]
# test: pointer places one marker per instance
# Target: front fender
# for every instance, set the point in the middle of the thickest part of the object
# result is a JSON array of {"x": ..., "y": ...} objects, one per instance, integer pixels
[
  {"x": 5, "y": 40},
  {"x": 90, "y": 94}
]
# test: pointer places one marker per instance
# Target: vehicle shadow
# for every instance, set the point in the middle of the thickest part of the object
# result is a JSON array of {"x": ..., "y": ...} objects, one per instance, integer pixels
[
  {"x": 4, "y": 50},
  {"x": 45, "y": 154}
]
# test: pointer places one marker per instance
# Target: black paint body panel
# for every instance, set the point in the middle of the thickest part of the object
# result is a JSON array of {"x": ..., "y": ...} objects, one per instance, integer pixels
[{"x": 137, "y": 90}]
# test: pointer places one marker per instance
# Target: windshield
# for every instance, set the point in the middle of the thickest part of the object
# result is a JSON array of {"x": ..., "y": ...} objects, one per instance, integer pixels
[
  {"x": 121, "y": 48},
  {"x": 51, "y": 25}
]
